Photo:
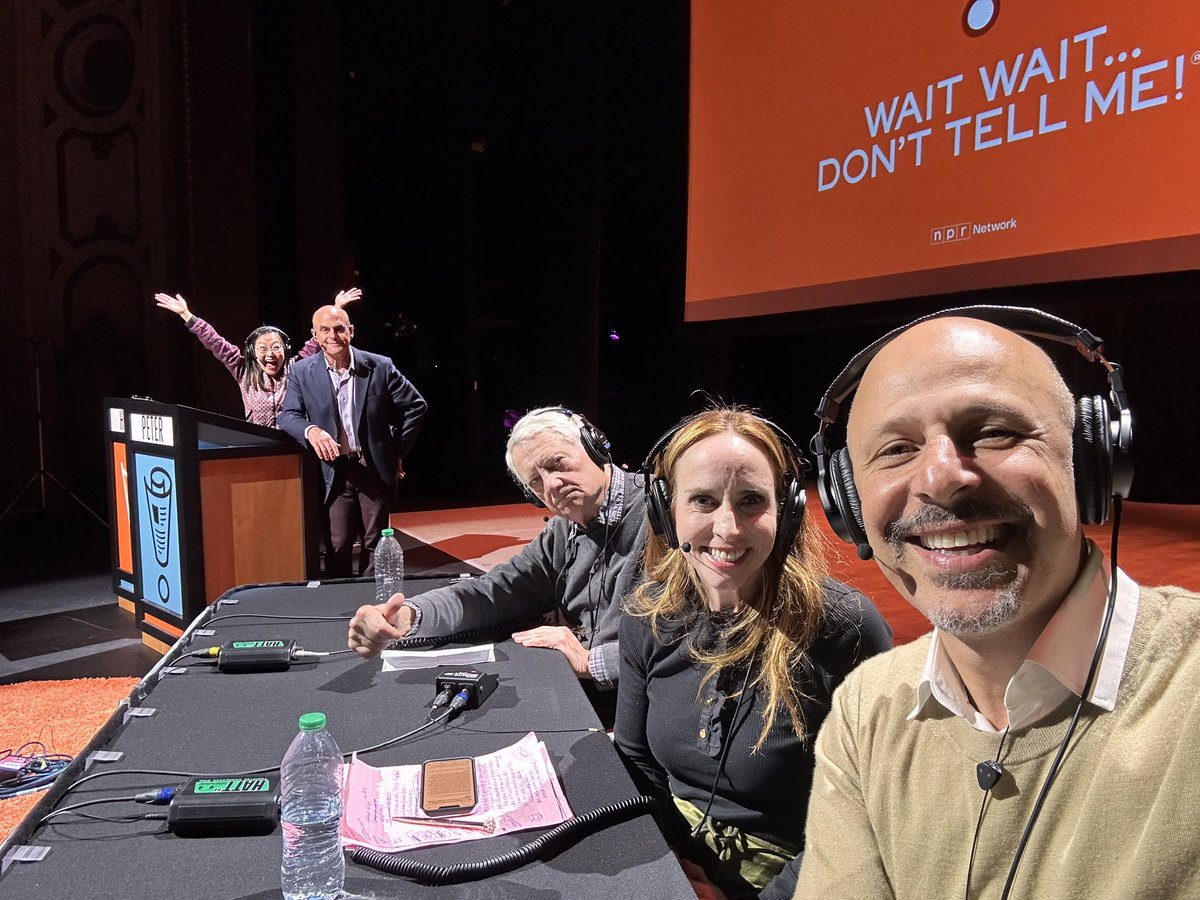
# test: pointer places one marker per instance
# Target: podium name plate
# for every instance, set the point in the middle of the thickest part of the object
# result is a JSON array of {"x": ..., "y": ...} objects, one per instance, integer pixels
[{"x": 152, "y": 429}]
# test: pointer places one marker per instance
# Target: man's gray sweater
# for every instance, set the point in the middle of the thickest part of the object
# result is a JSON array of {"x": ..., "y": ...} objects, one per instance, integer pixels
[{"x": 583, "y": 573}]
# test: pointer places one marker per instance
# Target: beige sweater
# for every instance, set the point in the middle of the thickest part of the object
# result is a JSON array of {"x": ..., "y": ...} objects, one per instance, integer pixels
[{"x": 895, "y": 802}]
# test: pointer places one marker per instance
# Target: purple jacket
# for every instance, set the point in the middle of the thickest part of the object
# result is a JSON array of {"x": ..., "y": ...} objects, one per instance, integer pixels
[{"x": 262, "y": 406}]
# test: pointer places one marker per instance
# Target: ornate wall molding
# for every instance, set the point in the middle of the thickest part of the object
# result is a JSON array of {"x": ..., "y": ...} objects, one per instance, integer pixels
[{"x": 90, "y": 128}]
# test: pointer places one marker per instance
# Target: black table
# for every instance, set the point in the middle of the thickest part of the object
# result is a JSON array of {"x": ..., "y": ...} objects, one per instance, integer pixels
[{"x": 206, "y": 722}]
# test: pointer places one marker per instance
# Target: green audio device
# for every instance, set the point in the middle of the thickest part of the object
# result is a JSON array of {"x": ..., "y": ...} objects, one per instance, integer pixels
[{"x": 225, "y": 807}]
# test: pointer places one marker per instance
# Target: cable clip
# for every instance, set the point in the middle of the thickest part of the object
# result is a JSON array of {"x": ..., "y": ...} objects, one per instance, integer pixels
[
  {"x": 23, "y": 853},
  {"x": 138, "y": 712},
  {"x": 101, "y": 756}
]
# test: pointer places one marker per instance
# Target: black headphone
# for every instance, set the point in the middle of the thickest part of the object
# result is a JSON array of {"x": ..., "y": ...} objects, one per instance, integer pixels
[
  {"x": 1102, "y": 442},
  {"x": 595, "y": 444},
  {"x": 791, "y": 505},
  {"x": 267, "y": 329}
]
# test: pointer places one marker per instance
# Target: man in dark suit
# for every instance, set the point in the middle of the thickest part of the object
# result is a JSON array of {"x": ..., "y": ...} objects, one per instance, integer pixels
[{"x": 360, "y": 416}]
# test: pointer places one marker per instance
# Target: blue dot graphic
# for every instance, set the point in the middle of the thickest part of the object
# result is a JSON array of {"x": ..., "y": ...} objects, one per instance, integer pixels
[{"x": 980, "y": 14}]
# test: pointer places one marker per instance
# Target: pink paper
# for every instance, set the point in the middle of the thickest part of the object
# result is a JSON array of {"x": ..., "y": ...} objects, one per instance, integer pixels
[{"x": 517, "y": 790}]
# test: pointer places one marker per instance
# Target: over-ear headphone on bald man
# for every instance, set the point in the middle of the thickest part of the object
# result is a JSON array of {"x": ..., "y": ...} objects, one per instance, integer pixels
[
  {"x": 1102, "y": 442},
  {"x": 658, "y": 491}
]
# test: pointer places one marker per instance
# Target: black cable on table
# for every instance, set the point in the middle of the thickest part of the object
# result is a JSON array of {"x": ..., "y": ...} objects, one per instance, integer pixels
[
  {"x": 567, "y": 832},
  {"x": 593, "y": 729},
  {"x": 75, "y": 806},
  {"x": 122, "y": 820},
  {"x": 277, "y": 616},
  {"x": 265, "y": 771}
]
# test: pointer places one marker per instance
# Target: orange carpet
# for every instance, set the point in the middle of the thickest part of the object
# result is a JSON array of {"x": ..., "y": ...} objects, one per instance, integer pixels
[
  {"x": 63, "y": 715},
  {"x": 1160, "y": 544},
  {"x": 482, "y": 536}
]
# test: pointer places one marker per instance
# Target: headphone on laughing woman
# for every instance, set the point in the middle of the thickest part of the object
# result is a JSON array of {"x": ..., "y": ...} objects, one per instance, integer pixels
[{"x": 267, "y": 329}]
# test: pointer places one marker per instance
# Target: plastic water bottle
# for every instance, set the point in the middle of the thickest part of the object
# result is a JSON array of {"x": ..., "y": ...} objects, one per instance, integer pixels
[
  {"x": 389, "y": 566},
  {"x": 311, "y": 805}
]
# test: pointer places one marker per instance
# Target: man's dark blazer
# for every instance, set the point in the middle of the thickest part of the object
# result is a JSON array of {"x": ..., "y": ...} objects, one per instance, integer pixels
[{"x": 387, "y": 409}]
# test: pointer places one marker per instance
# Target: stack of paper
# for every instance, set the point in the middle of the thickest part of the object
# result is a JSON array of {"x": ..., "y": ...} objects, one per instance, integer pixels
[{"x": 517, "y": 790}]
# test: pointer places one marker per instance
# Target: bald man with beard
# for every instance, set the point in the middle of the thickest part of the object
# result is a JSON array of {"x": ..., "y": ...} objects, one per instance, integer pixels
[{"x": 960, "y": 441}]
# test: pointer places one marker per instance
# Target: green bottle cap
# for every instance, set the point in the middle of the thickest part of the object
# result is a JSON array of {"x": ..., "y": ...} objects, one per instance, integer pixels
[
  {"x": 388, "y": 532},
  {"x": 312, "y": 721}
]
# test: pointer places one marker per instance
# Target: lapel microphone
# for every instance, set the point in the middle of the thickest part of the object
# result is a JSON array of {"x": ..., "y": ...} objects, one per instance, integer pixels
[{"x": 987, "y": 773}]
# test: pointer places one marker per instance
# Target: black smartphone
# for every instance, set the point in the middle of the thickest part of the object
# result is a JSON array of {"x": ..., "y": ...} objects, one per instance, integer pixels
[{"x": 448, "y": 786}]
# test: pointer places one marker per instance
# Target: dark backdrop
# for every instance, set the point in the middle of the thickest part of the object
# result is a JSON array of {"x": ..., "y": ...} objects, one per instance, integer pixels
[{"x": 506, "y": 180}]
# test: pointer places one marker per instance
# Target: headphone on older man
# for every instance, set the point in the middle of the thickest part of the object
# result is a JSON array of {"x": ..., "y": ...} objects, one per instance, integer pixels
[
  {"x": 658, "y": 491},
  {"x": 594, "y": 442},
  {"x": 1102, "y": 442}
]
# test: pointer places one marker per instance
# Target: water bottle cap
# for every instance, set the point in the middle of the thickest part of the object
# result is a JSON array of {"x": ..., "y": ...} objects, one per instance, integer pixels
[
  {"x": 388, "y": 532},
  {"x": 312, "y": 721}
]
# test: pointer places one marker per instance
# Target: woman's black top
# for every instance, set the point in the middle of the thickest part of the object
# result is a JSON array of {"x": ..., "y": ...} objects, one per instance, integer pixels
[{"x": 673, "y": 732}]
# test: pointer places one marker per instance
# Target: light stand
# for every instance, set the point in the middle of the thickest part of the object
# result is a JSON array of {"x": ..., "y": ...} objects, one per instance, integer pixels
[{"x": 42, "y": 473}]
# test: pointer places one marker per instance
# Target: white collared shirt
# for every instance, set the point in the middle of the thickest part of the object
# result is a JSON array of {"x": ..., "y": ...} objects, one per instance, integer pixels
[
  {"x": 343, "y": 390},
  {"x": 1058, "y": 661}
]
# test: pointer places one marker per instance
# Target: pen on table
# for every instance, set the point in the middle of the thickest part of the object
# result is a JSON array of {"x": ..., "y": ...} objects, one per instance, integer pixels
[{"x": 489, "y": 827}]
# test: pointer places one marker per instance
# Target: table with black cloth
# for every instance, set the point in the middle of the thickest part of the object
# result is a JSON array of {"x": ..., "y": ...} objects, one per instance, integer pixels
[{"x": 207, "y": 722}]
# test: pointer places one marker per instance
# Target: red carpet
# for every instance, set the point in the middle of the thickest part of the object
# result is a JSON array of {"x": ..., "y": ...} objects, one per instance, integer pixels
[{"x": 61, "y": 714}]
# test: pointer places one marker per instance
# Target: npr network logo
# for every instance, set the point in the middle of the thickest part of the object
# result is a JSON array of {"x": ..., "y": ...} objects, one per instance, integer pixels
[{"x": 944, "y": 234}]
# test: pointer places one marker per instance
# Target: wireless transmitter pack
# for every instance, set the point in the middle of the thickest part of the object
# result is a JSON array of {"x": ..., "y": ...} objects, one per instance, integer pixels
[
  {"x": 256, "y": 656},
  {"x": 477, "y": 685},
  {"x": 225, "y": 807}
]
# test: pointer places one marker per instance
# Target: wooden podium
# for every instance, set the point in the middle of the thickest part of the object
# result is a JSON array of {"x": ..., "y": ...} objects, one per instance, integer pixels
[{"x": 200, "y": 503}]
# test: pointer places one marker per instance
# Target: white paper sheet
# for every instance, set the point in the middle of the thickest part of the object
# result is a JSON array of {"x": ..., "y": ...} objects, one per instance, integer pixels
[{"x": 401, "y": 660}]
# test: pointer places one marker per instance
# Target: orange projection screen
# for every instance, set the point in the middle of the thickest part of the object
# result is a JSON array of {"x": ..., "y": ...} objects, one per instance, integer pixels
[{"x": 852, "y": 152}]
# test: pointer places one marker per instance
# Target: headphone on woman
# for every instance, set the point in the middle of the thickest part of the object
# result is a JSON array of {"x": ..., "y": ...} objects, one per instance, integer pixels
[
  {"x": 1102, "y": 441},
  {"x": 791, "y": 505},
  {"x": 592, "y": 439},
  {"x": 268, "y": 329}
]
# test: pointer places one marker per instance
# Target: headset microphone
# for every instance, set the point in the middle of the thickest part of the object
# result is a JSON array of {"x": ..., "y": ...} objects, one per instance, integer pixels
[
  {"x": 864, "y": 551},
  {"x": 685, "y": 547}
]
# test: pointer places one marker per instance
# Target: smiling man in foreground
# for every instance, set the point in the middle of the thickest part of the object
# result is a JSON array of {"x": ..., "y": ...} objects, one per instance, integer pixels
[{"x": 937, "y": 770}]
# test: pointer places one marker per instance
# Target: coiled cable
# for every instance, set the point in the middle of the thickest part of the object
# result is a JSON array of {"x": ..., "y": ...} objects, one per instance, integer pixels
[{"x": 427, "y": 873}]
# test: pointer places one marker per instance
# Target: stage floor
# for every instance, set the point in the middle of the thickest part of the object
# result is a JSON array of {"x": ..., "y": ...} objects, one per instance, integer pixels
[
  {"x": 1159, "y": 544},
  {"x": 59, "y": 620}
]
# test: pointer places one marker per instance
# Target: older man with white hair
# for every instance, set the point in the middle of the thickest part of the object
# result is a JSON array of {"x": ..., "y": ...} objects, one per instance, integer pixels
[{"x": 574, "y": 573}]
